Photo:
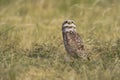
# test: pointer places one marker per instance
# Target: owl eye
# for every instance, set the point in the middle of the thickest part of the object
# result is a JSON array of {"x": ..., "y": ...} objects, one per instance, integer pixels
[
  {"x": 65, "y": 21},
  {"x": 73, "y": 21}
]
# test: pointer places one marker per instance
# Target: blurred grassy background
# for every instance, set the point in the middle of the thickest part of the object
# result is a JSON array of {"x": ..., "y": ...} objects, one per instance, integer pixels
[{"x": 31, "y": 46}]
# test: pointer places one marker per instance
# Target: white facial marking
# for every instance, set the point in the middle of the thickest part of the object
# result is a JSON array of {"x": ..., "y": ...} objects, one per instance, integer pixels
[
  {"x": 73, "y": 25},
  {"x": 69, "y": 29},
  {"x": 69, "y": 26}
]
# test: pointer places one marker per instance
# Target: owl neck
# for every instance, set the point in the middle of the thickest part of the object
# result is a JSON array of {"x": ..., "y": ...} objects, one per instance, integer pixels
[{"x": 69, "y": 30}]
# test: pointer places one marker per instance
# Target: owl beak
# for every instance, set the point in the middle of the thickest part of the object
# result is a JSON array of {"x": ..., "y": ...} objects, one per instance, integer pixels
[{"x": 69, "y": 22}]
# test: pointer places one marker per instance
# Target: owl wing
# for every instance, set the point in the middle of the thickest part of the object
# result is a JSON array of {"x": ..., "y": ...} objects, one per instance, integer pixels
[
  {"x": 79, "y": 42},
  {"x": 76, "y": 44}
]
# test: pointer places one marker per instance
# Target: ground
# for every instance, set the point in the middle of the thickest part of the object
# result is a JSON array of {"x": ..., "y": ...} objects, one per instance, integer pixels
[{"x": 31, "y": 45}]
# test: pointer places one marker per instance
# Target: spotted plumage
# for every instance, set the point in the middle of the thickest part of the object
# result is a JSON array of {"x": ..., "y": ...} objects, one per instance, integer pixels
[{"x": 72, "y": 41}]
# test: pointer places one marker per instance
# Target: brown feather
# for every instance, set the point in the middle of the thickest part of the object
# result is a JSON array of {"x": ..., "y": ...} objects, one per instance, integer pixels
[
  {"x": 72, "y": 40},
  {"x": 74, "y": 44}
]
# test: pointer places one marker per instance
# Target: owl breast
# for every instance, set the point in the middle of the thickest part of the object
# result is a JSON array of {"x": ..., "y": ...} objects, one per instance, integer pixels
[{"x": 73, "y": 43}]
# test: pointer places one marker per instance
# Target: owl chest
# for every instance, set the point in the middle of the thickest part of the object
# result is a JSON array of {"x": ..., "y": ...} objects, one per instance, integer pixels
[{"x": 69, "y": 38}]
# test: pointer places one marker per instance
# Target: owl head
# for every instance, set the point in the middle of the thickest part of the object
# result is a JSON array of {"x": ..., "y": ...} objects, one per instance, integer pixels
[{"x": 68, "y": 26}]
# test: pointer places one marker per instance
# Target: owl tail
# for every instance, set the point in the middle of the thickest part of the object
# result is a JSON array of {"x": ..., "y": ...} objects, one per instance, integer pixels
[{"x": 84, "y": 55}]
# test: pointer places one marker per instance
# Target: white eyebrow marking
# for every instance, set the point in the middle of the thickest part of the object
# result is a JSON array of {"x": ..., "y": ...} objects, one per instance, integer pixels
[{"x": 70, "y": 25}]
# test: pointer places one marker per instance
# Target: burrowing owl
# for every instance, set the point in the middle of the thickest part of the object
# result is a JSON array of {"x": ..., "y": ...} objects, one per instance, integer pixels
[{"x": 72, "y": 41}]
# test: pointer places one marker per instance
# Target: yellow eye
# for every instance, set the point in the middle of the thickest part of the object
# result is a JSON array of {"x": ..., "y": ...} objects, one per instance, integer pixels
[{"x": 66, "y": 21}]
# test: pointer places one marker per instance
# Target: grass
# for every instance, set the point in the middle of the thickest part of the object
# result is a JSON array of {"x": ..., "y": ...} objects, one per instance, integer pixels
[{"x": 31, "y": 46}]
